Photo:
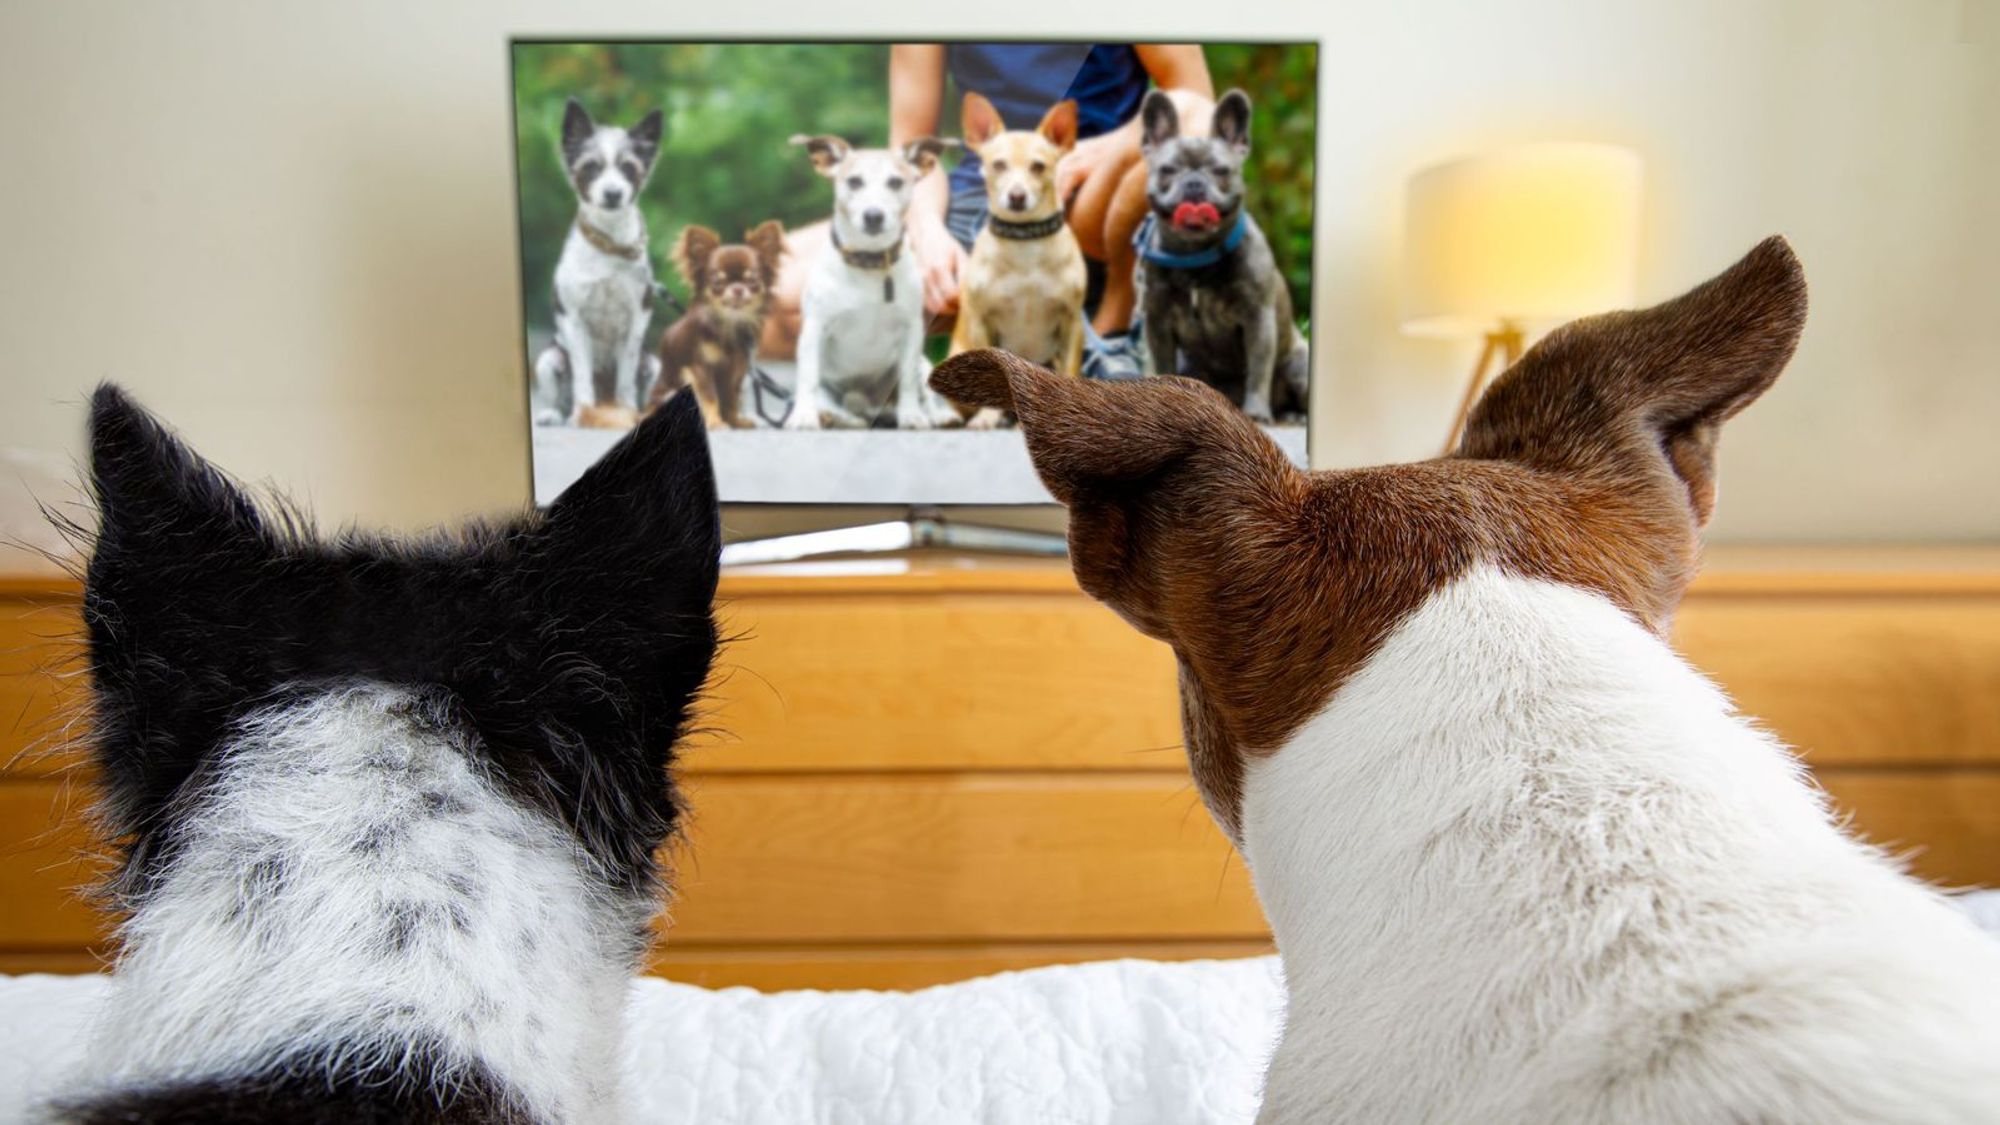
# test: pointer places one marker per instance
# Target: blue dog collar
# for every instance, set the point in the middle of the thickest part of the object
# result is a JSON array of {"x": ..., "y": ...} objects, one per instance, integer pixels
[{"x": 1146, "y": 240}]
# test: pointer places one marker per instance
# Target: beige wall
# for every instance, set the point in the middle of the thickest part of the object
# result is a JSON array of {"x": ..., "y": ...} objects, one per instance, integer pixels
[{"x": 289, "y": 227}]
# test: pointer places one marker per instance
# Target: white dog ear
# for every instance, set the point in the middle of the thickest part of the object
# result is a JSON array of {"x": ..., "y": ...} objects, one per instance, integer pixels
[
  {"x": 1159, "y": 121},
  {"x": 826, "y": 151},
  {"x": 923, "y": 153},
  {"x": 577, "y": 128},
  {"x": 1231, "y": 124}
]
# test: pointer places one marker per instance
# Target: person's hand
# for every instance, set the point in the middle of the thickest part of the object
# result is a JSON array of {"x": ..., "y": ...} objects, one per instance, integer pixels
[
  {"x": 940, "y": 259},
  {"x": 1080, "y": 163}
]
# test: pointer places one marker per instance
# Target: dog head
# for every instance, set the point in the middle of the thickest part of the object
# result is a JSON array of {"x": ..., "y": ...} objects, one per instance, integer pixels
[
  {"x": 1194, "y": 184},
  {"x": 872, "y": 186},
  {"x": 607, "y": 165},
  {"x": 566, "y": 648},
  {"x": 733, "y": 278},
  {"x": 1590, "y": 462},
  {"x": 1019, "y": 164}
]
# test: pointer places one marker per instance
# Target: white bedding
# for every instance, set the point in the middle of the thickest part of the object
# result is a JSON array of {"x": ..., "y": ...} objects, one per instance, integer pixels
[{"x": 1110, "y": 1042}]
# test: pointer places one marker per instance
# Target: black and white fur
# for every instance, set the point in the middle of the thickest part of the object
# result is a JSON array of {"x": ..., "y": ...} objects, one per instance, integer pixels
[
  {"x": 1230, "y": 323},
  {"x": 861, "y": 341},
  {"x": 387, "y": 811},
  {"x": 603, "y": 301}
]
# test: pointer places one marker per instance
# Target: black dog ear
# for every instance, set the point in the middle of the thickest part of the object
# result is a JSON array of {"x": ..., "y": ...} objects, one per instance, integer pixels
[
  {"x": 1231, "y": 124},
  {"x": 646, "y": 135},
  {"x": 1159, "y": 121},
  {"x": 644, "y": 519},
  {"x": 577, "y": 128},
  {"x": 159, "y": 504}
]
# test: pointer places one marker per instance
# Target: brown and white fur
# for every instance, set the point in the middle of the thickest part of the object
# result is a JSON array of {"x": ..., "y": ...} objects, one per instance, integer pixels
[
  {"x": 711, "y": 346},
  {"x": 1022, "y": 294},
  {"x": 1522, "y": 862}
]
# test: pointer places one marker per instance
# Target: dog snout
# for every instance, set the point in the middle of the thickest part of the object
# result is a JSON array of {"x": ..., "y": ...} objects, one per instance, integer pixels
[
  {"x": 872, "y": 220},
  {"x": 1017, "y": 200},
  {"x": 613, "y": 197},
  {"x": 1194, "y": 191}
]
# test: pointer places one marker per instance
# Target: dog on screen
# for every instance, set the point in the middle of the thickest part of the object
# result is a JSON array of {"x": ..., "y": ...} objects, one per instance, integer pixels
[{"x": 595, "y": 371}]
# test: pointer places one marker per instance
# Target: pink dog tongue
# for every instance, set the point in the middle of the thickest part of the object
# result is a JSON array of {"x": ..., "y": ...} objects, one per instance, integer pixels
[{"x": 1196, "y": 216}]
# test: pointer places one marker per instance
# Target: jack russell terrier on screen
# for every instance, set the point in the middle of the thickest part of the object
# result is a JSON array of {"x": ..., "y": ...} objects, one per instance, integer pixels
[
  {"x": 597, "y": 370},
  {"x": 861, "y": 341},
  {"x": 1522, "y": 862},
  {"x": 387, "y": 812}
]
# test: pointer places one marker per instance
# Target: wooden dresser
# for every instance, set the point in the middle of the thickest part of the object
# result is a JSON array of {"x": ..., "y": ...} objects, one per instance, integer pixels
[{"x": 935, "y": 769}]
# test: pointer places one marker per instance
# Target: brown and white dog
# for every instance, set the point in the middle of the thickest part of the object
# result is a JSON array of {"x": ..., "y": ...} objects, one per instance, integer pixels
[
  {"x": 1022, "y": 288},
  {"x": 1521, "y": 861},
  {"x": 711, "y": 346}
]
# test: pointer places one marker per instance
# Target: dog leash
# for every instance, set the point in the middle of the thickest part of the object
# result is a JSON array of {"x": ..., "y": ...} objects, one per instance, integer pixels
[{"x": 1146, "y": 241}]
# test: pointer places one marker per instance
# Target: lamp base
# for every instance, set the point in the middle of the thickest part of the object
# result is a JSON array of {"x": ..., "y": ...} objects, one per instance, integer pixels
[{"x": 1505, "y": 341}]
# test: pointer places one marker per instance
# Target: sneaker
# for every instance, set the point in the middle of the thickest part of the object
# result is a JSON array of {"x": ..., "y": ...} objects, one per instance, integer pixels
[{"x": 1114, "y": 357}]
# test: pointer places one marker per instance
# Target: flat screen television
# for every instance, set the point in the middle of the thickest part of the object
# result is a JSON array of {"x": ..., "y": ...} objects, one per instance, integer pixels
[{"x": 799, "y": 230}]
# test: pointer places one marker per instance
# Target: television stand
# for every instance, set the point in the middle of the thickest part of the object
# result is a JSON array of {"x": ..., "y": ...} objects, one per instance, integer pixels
[{"x": 922, "y": 529}]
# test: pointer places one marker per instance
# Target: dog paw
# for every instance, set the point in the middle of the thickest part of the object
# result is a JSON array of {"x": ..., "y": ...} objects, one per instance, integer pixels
[
  {"x": 743, "y": 422},
  {"x": 1258, "y": 411},
  {"x": 913, "y": 420},
  {"x": 988, "y": 418},
  {"x": 549, "y": 416},
  {"x": 802, "y": 418}
]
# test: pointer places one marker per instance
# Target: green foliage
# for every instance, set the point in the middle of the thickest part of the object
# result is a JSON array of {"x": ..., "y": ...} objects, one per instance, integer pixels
[{"x": 731, "y": 108}]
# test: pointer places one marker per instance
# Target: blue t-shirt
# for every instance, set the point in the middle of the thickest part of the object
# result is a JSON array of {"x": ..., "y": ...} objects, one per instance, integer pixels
[{"x": 1023, "y": 80}]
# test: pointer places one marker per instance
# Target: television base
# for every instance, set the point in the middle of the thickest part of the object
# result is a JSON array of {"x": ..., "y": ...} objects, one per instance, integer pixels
[{"x": 923, "y": 529}]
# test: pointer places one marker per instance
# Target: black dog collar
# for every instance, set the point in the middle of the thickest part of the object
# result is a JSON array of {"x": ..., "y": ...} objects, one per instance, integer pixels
[
  {"x": 1024, "y": 232},
  {"x": 867, "y": 259}
]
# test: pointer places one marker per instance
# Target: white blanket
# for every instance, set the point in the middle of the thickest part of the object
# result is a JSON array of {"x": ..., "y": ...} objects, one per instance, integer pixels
[
  {"x": 1115, "y": 1041},
  {"x": 1112, "y": 1042}
]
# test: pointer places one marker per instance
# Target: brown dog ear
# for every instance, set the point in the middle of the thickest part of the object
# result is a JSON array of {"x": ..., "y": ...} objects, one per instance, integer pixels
[
  {"x": 1138, "y": 463},
  {"x": 979, "y": 121},
  {"x": 691, "y": 254},
  {"x": 768, "y": 240},
  {"x": 1058, "y": 125},
  {"x": 1627, "y": 389},
  {"x": 826, "y": 151},
  {"x": 923, "y": 153}
]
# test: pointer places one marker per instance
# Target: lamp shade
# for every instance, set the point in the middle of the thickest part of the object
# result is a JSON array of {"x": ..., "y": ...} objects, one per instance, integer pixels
[{"x": 1536, "y": 232}]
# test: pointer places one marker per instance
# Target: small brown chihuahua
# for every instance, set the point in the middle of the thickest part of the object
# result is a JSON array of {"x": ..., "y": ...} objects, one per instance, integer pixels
[
  {"x": 1022, "y": 289},
  {"x": 710, "y": 347}
]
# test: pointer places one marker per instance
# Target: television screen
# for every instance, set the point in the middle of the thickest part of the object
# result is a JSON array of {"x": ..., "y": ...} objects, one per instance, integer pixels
[{"x": 797, "y": 232}]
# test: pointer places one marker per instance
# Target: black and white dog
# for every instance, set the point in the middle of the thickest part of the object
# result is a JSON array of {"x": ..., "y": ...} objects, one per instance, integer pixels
[
  {"x": 387, "y": 811},
  {"x": 603, "y": 298}
]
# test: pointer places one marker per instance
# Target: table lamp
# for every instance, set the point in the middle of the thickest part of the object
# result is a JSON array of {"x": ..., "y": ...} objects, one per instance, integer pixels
[{"x": 1543, "y": 232}]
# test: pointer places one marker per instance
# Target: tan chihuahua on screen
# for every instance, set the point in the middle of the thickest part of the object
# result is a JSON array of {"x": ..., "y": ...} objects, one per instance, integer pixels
[{"x": 1022, "y": 290}]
